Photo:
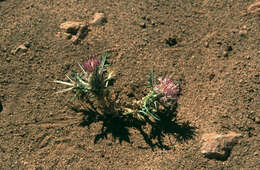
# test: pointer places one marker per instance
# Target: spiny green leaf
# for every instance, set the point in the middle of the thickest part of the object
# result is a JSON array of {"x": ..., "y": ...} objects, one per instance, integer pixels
[
  {"x": 151, "y": 83},
  {"x": 101, "y": 68}
]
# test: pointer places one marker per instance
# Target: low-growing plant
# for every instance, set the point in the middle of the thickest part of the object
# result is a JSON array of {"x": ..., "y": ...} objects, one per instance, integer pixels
[
  {"x": 92, "y": 81},
  {"x": 160, "y": 96}
]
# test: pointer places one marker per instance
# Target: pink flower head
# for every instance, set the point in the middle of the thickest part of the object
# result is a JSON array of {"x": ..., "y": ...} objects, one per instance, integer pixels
[
  {"x": 168, "y": 88},
  {"x": 91, "y": 64}
]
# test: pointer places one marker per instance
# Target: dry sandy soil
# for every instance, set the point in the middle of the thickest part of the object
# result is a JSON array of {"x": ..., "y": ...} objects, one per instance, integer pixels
[{"x": 211, "y": 46}]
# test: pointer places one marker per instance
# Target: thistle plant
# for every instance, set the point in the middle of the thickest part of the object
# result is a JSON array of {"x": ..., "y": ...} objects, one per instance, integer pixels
[
  {"x": 160, "y": 95},
  {"x": 93, "y": 80}
]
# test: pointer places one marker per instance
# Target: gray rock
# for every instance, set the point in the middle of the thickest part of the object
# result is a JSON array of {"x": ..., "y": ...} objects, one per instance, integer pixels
[{"x": 218, "y": 146}]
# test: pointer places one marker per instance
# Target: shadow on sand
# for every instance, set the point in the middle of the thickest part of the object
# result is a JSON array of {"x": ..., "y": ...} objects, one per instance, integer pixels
[{"x": 119, "y": 127}]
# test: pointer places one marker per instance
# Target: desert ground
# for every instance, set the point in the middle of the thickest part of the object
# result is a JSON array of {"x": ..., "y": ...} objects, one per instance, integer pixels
[{"x": 211, "y": 47}]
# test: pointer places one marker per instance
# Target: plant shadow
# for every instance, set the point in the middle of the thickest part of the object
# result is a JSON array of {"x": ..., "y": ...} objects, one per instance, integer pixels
[
  {"x": 119, "y": 127},
  {"x": 168, "y": 125}
]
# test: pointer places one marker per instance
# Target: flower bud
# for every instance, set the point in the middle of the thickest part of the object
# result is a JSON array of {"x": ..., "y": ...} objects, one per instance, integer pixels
[{"x": 91, "y": 64}]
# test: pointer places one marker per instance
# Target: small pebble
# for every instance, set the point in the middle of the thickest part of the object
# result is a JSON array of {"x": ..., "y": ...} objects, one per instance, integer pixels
[
  {"x": 75, "y": 31},
  {"x": 98, "y": 19},
  {"x": 247, "y": 57},
  {"x": 72, "y": 27},
  {"x": 143, "y": 25},
  {"x": 74, "y": 39},
  {"x": 254, "y": 8},
  {"x": 257, "y": 119},
  {"x": 23, "y": 48},
  {"x": 225, "y": 54},
  {"x": 206, "y": 44},
  {"x": 242, "y": 32},
  {"x": 244, "y": 27}
]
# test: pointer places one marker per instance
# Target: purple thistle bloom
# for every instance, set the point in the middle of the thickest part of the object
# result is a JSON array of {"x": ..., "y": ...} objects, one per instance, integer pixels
[
  {"x": 91, "y": 64},
  {"x": 168, "y": 88}
]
